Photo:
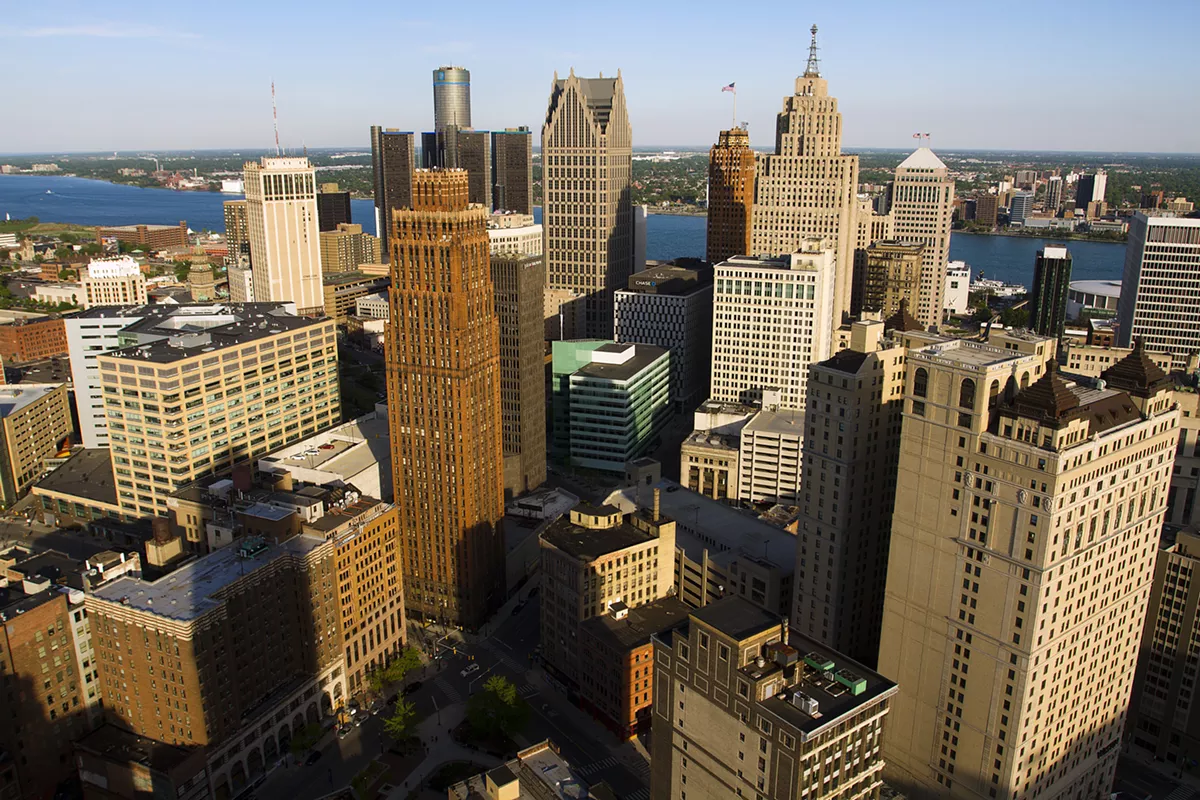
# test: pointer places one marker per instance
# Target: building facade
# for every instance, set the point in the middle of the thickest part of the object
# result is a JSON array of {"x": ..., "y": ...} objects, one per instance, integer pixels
[
  {"x": 1158, "y": 286},
  {"x": 730, "y": 196},
  {"x": 1051, "y": 280},
  {"x": 770, "y": 321},
  {"x": 987, "y": 209},
  {"x": 393, "y": 159},
  {"x": 281, "y": 216},
  {"x": 957, "y": 297},
  {"x": 89, "y": 334},
  {"x": 333, "y": 208},
  {"x": 346, "y": 248},
  {"x": 32, "y": 340},
  {"x": 671, "y": 307},
  {"x": 1091, "y": 189},
  {"x": 1040, "y": 485},
  {"x": 153, "y": 237},
  {"x": 744, "y": 708},
  {"x": 807, "y": 188},
  {"x": 1020, "y": 206},
  {"x": 443, "y": 375},
  {"x": 922, "y": 210},
  {"x": 342, "y": 290},
  {"x": 514, "y": 234},
  {"x": 35, "y": 424},
  {"x": 892, "y": 273},
  {"x": 114, "y": 282},
  {"x": 769, "y": 457},
  {"x": 517, "y": 281},
  {"x": 587, "y": 157},
  {"x": 512, "y": 170},
  {"x": 237, "y": 235},
  {"x": 451, "y": 98}
]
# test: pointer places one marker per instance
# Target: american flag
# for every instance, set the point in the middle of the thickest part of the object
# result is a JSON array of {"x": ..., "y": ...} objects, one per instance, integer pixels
[{"x": 729, "y": 88}]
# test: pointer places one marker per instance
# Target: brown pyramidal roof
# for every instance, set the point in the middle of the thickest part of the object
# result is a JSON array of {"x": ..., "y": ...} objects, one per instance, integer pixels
[
  {"x": 902, "y": 321},
  {"x": 1048, "y": 399},
  {"x": 1136, "y": 373}
]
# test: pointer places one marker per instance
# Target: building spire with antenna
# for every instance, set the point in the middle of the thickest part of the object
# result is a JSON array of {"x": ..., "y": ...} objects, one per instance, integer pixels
[{"x": 813, "y": 70}]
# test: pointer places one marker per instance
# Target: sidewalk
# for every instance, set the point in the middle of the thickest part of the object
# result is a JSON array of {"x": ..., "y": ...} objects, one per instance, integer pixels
[
  {"x": 1168, "y": 771},
  {"x": 440, "y": 751}
]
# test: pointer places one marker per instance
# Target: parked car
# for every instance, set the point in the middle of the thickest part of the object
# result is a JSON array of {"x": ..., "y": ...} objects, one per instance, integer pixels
[
  {"x": 470, "y": 669},
  {"x": 412, "y": 687},
  {"x": 313, "y": 758},
  {"x": 344, "y": 731}
]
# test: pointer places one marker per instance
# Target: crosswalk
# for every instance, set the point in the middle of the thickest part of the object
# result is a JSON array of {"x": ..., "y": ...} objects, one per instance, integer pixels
[
  {"x": 527, "y": 690},
  {"x": 596, "y": 766},
  {"x": 1182, "y": 792},
  {"x": 640, "y": 794},
  {"x": 450, "y": 692},
  {"x": 638, "y": 767},
  {"x": 502, "y": 657}
]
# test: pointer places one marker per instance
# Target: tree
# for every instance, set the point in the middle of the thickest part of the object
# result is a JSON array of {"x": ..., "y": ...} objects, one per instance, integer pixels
[
  {"x": 406, "y": 662},
  {"x": 1015, "y": 317},
  {"x": 182, "y": 269},
  {"x": 498, "y": 709},
  {"x": 402, "y": 721},
  {"x": 308, "y": 736}
]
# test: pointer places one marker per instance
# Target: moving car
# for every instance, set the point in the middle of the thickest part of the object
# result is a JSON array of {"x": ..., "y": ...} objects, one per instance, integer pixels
[
  {"x": 313, "y": 758},
  {"x": 470, "y": 669}
]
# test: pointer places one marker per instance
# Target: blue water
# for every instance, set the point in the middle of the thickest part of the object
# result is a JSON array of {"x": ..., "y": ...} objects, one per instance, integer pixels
[{"x": 87, "y": 202}]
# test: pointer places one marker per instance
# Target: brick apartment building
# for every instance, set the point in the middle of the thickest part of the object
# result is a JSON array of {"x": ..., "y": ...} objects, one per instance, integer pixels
[
  {"x": 157, "y": 237},
  {"x": 33, "y": 340}
]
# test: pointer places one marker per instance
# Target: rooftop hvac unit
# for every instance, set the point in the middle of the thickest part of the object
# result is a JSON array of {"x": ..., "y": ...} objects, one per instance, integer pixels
[{"x": 808, "y": 705}]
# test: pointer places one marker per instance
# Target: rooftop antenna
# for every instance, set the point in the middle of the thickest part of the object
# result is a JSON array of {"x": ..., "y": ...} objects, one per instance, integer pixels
[
  {"x": 813, "y": 70},
  {"x": 275, "y": 117}
]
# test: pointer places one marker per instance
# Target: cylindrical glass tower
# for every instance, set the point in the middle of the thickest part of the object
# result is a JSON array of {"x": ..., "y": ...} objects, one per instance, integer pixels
[{"x": 451, "y": 98}]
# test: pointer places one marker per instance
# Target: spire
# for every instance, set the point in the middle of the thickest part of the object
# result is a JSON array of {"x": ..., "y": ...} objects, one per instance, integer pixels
[
  {"x": 1048, "y": 399},
  {"x": 813, "y": 70},
  {"x": 1136, "y": 374}
]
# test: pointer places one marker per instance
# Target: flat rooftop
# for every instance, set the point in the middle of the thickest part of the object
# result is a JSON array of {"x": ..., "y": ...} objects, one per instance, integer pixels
[
  {"x": 639, "y": 624},
  {"x": 540, "y": 772},
  {"x": 17, "y": 398},
  {"x": 778, "y": 422},
  {"x": 643, "y": 356},
  {"x": 121, "y": 746},
  {"x": 192, "y": 590},
  {"x": 741, "y": 619},
  {"x": 588, "y": 544},
  {"x": 87, "y": 474},
  {"x": 969, "y": 353},
  {"x": 191, "y": 334},
  {"x": 14, "y": 601},
  {"x": 361, "y": 444}
]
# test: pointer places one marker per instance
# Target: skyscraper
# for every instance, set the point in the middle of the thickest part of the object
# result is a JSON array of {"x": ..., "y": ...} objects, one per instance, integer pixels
[
  {"x": 393, "y": 160},
  {"x": 1091, "y": 189},
  {"x": 987, "y": 207},
  {"x": 1020, "y": 207},
  {"x": 512, "y": 170},
  {"x": 451, "y": 98},
  {"x": 517, "y": 280},
  {"x": 730, "y": 196},
  {"x": 455, "y": 148},
  {"x": 807, "y": 188},
  {"x": 281, "y": 217},
  {"x": 892, "y": 273},
  {"x": 237, "y": 232},
  {"x": 1054, "y": 193},
  {"x": 922, "y": 210},
  {"x": 1051, "y": 281},
  {"x": 1026, "y": 522},
  {"x": 443, "y": 376},
  {"x": 1160, "y": 285},
  {"x": 587, "y": 155},
  {"x": 333, "y": 207}
]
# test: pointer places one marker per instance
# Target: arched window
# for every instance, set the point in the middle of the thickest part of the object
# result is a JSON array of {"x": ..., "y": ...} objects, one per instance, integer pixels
[
  {"x": 921, "y": 383},
  {"x": 966, "y": 394},
  {"x": 993, "y": 394},
  {"x": 1025, "y": 380}
]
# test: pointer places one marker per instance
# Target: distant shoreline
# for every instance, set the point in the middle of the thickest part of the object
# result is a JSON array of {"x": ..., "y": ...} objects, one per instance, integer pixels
[{"x": 1053, "y": 237}]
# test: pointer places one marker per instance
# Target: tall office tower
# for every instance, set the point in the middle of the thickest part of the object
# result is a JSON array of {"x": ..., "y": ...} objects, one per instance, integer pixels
[
  {"x": 1160, "y": 285},
  {"x": 807, "y": 188},
  {"x": 671, "y": 307},
  {"x": 1091, "y": 189},
  {"x": 587, "y": 155},
  {"x": 891, "y": 274},
  {"x": 451, "y": 98},
  {"x": 443, "y": 374},
  {"x": 346, "y": 248},
  {"x": 871, "y": 227},
  {"x": 1054, "y": 194},
  {"x": 517, "y": 282},
  {"x": 512, "y": 170},
  {"x": 1022, "y": 550},
  {"x": 1162, "y": 716},
  {"x": 285, "y": 248},
  {"x": 987, "y": 209},
  {"x": 452, "y": 148},
  {"x": 745, "y": 708},
  {"x": 243, "y": 380},
  {"x": 847, "y": 489},
  {"x": 770, "y": 321},
  {"x": 116, "y": 281},
  {"x": 1020, "y": 206},
  {"x": 333, "y": 207},
  {"x": 730, "y": 196},
  {"x": 922, "y": 211},
  {"x": 393, "y": 159},
  {"x": 237, "y": 233},
  {"x": 1051, "y": 282}
]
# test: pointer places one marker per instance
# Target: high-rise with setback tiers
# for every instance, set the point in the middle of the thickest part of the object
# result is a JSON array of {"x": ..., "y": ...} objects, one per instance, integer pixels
[
  {"x": 922, "y": 210},
  {"x": 285, "y": 245},
  {"x": 730, "y": 195},
  {"x": 443, "y": 376},
  {"x": 807, "y": 187},
  {"x": 587, "y": 155},
  {"x": 1026, "y": 523}
]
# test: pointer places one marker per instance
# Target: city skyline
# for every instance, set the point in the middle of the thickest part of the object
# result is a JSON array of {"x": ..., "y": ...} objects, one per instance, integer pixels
[{"x": 940, "y": 92}]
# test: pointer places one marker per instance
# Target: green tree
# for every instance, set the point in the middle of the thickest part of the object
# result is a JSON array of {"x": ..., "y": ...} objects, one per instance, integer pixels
[
  {"x": 402, "y": 722},
  {"x": 1015, "y": 317},
  {"x": 498, "y": 709},
  {"x": 308, "y": 736},
  {"x": 63, "y": 253},
  {"x": 406, "y": 662},
  {"x": 182, "y": 269}
]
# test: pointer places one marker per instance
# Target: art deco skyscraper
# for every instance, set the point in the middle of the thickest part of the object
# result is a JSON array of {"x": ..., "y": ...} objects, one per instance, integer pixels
[
  {"x": 443, "y": 380},
  {"x": 1021, "y": 559},
  {"x": 807, "y": 188},
  {"x": 587, "y": 155},
  {"x": 451, "y": 98},
  {"x": 285, "y": 245},
  {"x": 393, "y": 160},
  {"x": 730, "y": 195},
  {"x": 922, "y": 210}
]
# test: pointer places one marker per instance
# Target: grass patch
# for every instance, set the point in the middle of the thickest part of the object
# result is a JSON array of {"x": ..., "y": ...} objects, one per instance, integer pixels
[{"x": 369, "y": 775}]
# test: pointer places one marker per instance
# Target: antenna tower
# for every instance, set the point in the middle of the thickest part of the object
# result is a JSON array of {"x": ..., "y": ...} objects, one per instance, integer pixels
[
  {"x": 813, "y": 70},
  {"x": 275, "y": 117}
]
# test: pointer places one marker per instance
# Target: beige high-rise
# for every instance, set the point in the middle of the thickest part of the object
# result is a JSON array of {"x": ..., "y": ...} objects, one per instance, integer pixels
[
  {"x": 922, "y": 210},
  {"x": 281, "y": 219},
  {"x": 1027, "y": 517},
  {"x": 808, "y": 188},
  {"x": 587, "y": 156}
]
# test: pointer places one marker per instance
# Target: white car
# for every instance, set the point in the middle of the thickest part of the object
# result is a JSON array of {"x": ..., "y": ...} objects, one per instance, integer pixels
[{"x": 471, "y": 669}]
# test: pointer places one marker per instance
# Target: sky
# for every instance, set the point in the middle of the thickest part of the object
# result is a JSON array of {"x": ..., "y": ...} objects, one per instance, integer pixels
[{"x": 1021, "y": 75}]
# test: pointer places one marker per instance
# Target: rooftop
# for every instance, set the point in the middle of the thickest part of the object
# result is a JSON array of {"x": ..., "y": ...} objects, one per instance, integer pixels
[
  {"x": 87, "y": 474},
  {"x": 922, "y": 158},
  {"x": 848, "y": 361},
  {"x": 16, "y": 398},
  {"x": 639, "y": 624},
  {"x": 778, "y": 422},
  {"x": 737, "y": 618},
  {"x": 1102, "y": 288},
  {"x": 643, "y": 356},
  {"x": 588, "y": 544},
  {"x": 14, "y": 601},
  {"x": 968, "y": 353},
  {"x": 670, "y": 280},
  {"x": 122, "y": 746},
  {"x": 539, "y": 771},
  {"x": 194, "y": 589}
]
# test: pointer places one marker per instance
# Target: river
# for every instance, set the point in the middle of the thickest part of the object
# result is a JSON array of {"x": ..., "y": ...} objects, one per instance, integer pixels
[{"x": 88, "y": 202}]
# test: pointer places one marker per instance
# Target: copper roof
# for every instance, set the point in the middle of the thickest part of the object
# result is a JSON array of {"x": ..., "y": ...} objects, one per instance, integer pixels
[
  {"x": 902, "y": 320},
  {"x": 1136, "y": 373},
  {"x": 1048, "y": 399}
]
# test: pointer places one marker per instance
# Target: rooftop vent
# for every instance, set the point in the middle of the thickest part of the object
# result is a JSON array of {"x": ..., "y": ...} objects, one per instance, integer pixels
[{"x": 808, "y": 705}]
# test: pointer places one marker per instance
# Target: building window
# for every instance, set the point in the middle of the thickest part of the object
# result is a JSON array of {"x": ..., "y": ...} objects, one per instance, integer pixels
[
  {"x": 921, "y": 383},
  {"x": 966, "y": 394}
]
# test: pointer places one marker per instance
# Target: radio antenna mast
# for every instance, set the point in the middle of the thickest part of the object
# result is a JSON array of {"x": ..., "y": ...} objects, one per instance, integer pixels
[{"x": 275, "y": 117}]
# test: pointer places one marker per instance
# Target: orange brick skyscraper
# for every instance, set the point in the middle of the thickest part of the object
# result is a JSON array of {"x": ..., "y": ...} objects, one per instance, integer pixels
[
  {"x": 730, "y": 196},
  {"x": 443, "y": 381}
]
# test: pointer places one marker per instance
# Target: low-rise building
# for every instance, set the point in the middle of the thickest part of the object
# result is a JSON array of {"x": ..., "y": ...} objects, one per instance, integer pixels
[
  {"x": 343, "y": 289},
  {"x": 956, "y": 297},
  {"x": 1089, "y": 360},
  {"x": 35, "y": 425},
  {"x": 32, "y": 339},
  {"x": 153, "y": 237},
  {"x": 373, "y": 306},
  {"x": 80, "y": 490},
  {"x": 537, "y": 773},
  {"x": 115, "y": 763},
  {"x": 770, "y": 460},
  {"x": 116, "y": 281}
]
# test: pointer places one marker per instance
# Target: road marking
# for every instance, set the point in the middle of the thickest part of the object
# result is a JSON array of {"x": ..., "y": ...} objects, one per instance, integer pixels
[
  {"x": 596, "y": 766},
  {"x": 1181, "y": 793},
  {"x": 449, "y": 690},
  {"x": 640, "y": 794}
]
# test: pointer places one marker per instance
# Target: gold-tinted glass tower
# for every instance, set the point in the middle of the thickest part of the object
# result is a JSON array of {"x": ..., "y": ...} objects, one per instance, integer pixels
[
  {"x": 443, "y": 381},
  {"x": 730, "y": 195}
]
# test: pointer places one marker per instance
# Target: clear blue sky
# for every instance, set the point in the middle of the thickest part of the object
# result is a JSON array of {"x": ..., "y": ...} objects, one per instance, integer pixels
[{"x": 136, "y": 74}]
